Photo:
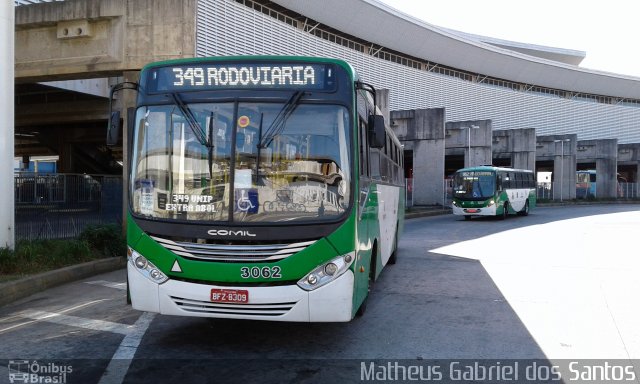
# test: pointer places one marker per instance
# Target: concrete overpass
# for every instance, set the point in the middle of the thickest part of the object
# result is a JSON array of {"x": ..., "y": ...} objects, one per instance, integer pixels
[{"x": 109, "y": 40}]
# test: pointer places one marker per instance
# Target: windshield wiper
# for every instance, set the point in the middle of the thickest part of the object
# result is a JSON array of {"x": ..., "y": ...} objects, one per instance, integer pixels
[
  {"x": 193, "y": 122},
  {"x": 278, "y": 123},
  {"x": 209, "y": 145}
]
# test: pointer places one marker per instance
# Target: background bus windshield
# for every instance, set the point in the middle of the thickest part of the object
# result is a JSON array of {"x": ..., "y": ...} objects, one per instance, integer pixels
[
  {"x": 474, "y": 185},
  {"x": 241, "y": 162}
]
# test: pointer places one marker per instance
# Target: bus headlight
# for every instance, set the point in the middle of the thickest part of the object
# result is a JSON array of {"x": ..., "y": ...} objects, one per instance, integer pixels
[
  {"x": 145, "y": 267},
  {"x": 327, "y": 272},
  {"x": 491, "y": 202}
]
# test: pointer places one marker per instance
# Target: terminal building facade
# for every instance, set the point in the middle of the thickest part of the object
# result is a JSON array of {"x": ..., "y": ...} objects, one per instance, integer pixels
[{"x": 453, "y": 99}]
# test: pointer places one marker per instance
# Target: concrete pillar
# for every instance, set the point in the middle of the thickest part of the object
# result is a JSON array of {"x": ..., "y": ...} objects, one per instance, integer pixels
[
  {"x": 561, "y": 150},
  {"x": 480, "y": 141},
  {"x": 518, "y": 145},
  {"x": 564, "y": 167},
  {"x": 428, "y": 172},
  {"x": 7, "y": 208},
  {"x": 473, "y": 138},
  {"x": 422, "y": 130},
  {"x": 604, "y": 153}
]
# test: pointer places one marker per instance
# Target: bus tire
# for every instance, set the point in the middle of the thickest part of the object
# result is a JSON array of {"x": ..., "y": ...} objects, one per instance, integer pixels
[
  {"x": 525, "y": 209},
  {"x": 505, "y": 211},
  {"x": 128, "y": 292},
  {"x": 394, "y": 254}
]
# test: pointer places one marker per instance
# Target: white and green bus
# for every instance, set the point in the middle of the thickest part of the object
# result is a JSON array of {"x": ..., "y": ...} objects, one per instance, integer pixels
[
  {"x": 493, "y": 191},
  {"x": 263, "y": 188}
]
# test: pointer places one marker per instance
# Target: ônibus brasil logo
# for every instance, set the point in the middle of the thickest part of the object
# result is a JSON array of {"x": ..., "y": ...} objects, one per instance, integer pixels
[{"x": 25, "y": 371}]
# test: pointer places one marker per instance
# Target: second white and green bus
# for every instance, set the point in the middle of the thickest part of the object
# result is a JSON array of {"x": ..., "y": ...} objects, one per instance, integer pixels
[{"x": 493, "y": 191}]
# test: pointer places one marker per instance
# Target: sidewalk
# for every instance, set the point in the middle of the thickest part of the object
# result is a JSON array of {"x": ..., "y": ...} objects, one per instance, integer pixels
[
  {"x": 18, "y": 289},
  {"x": 425, "y": 210}
]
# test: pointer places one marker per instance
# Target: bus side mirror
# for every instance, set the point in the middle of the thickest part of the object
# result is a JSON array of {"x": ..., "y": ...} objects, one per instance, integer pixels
[
  {"x": 376, "y": 131},
  {"x": 113, "y": 128}
]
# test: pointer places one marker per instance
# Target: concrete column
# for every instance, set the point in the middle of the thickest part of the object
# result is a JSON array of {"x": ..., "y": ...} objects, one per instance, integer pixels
[
  {"x": 473, "y": 138},
  {"x": 428, "y": 172},
  {"x": 7, "y": 208},
  {"x": 422, "y": 131},
  {"x": 481, "y": 139},
  {"x": 551, "y": 148},
  {"x": 606, "y": 178},
  {"x": 604, "y": 152},
  {"x": 564, "y": 175},
  {"x": 564, "y": 167},
  {"x": 428, "y": 157}
]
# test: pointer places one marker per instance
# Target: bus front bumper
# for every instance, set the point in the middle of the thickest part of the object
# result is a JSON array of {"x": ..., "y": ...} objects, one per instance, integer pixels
[
  {"x": 330, "y": 303},
  {"x": 481, "y": 211}
]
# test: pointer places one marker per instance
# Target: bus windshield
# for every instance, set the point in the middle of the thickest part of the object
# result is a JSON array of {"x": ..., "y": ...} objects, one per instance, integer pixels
[
  {"x": 241, "y": 162},
  {"x": 474, "y": 185}
]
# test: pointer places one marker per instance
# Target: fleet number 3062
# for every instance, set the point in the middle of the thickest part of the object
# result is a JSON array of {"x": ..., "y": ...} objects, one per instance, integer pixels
[{"x": 257, "y": 272}]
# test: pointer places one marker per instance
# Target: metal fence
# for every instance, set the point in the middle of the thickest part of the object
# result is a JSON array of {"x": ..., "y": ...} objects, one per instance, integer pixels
[
  {"x": 624, "y": 191},
  {"x": 628, "y": 190},
  {"x": 544, "y": 190},
  {"x": 56, "y": 206}
]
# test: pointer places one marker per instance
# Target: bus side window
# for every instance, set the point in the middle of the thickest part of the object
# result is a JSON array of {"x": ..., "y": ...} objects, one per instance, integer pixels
[{"x": 532, "y": 182}]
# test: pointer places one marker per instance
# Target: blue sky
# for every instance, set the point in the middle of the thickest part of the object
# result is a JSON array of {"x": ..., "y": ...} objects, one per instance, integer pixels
[{"x": 607, "y": 31}]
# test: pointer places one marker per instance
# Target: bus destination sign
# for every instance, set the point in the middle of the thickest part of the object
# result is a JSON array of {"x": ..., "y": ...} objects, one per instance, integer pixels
[{"x": 208, "y": 76}]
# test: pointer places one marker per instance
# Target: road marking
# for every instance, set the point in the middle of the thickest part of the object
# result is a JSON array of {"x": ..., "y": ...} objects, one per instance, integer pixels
[
  {"x": 109, "y": 284},
  {"x": 78, "y": 322},
  {"x": 20, "y": 314},
  {"x": 121, "y": 360}
]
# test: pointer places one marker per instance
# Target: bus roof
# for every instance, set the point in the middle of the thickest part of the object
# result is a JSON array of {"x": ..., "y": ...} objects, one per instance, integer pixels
[{"x": 492, "y": 168}]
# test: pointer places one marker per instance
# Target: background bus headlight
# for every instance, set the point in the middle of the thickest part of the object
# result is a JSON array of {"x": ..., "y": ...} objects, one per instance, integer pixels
[
  {"x": 145, "y": 267},
  {"x": 327, "y": 272}
]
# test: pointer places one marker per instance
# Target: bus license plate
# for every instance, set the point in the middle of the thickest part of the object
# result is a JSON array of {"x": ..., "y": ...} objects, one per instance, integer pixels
[
  {"x": 472, "y": 210},
  {"x": 237, "y": 296}
]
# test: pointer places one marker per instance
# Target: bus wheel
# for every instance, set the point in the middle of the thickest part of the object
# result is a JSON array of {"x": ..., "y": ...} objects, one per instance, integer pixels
[
  {"x": 128, "y": 292},
  {"x": 394, "y": 254},
  {"x": 525, "y": 210},
  {"x": 505, "y": 211}
]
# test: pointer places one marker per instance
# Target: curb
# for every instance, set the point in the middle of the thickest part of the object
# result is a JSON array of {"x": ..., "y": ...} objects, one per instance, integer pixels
[
  {"x": 18, "y": 289},
  {"x": 584, "y": 203},
  {"x": 426, "y": 213}
]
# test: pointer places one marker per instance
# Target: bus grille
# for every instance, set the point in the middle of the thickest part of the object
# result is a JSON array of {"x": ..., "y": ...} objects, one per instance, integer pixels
[
  {"x": 197, "y": 306},
  {"x": 233, "y": 252}
]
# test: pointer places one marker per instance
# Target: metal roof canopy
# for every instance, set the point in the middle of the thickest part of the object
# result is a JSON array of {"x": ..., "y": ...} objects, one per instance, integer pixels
[{"x": 380, "y": 24}]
